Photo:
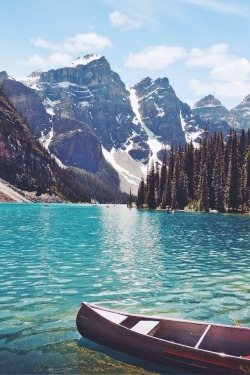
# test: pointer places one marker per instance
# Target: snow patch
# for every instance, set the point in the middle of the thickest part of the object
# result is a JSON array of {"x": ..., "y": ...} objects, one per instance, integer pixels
[
  {"x": 161, "y": 112},
  {"x": 130, "y": 171},
  {"x": 154, "y": 145},
  {"x": 84, "y": 60},
  {"x": 64, "y": 85},
  {"x": 193, "y": 136},
  {"x": 31, "y": 82},
  {"x": 45, "y": 140}
]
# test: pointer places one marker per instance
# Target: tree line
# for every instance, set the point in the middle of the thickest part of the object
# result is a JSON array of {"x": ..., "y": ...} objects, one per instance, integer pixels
[{"x": 214, "y": 176}]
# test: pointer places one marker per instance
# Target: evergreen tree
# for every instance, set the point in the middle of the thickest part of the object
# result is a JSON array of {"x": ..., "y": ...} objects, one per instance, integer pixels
[
  {"x": 175, "y": 182},
  {"x": 203, "y": 192},
  {"x": 162, "y": 184},
  {"x": 218, "y": 176},
  {"x": 244, "y": 182},
  {"x": 151, "y": 201},
  {"x": 232, "y": 192},
  {"x": 157, "y": 184},
  {"x": 141, "y": 194},
  {"x": 190, "y": 169},
  {"x": 130, "y": 201}
]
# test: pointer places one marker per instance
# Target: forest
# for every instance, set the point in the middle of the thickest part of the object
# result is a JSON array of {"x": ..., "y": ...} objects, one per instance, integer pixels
[{"x": 214, "y": 176}]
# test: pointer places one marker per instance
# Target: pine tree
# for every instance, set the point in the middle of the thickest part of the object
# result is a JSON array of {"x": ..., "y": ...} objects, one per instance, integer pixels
[
  {"x": 203, "y": 192},
  {"x": 157, "y": 184},
  {"x": 162, "y": 184},
  {"x": 141, "y": 194},
  {"x": 190, "y": 169},
  {"x": 244, "y": 182},
  {"x": 232, "y": 191},
  {"x": 175, "y": 182},
  {"x": 151, "y": 201},
  {"x": 130, "y": 199},
  {"x": 218, "y": 175}
]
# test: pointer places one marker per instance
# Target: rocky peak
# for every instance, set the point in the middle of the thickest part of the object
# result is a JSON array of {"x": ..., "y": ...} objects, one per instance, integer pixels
[
  {"x": 207, "y": 101},
  {"x": 3, "y": 76},
  {"x": 160, "y": 109},
  {"x": 246, "y": 100},
  {"x": 152, "y": 87},
  {"x": 239, "y": 117},
  {"x": 36, "y": 73},
  {"x": 210, "y": 109},
  {"x": 84, "y": 60}
]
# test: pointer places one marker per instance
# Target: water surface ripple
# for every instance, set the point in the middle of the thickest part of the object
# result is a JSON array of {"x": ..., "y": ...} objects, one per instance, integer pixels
[{"x": 186, "y": 265}]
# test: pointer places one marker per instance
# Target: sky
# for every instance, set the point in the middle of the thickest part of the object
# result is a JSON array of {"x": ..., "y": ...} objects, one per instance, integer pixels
[{"x": 201, "y": 46}]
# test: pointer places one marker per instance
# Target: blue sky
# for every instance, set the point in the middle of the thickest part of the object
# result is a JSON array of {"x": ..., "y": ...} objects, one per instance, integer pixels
[{"x": 202, "y": 46}]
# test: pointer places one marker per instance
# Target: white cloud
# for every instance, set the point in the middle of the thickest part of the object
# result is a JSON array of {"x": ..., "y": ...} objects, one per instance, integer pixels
[
  {"x": 54, "y": 60},
  {"x": 229, "y": 75},
  {"x": 123, "y": 21},
  {"x": 210, "y": 57},
  {"x": 218, "y": 6},
  {"x": 233, "y": 89},
  {"x": 238, "y": 70},
  {"x": 153, "y": 58},
  {"x": 78, "y": 43}
]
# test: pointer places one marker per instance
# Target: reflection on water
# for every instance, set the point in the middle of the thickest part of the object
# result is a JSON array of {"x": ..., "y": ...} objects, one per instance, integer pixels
[{"x": 187, "y": 265}]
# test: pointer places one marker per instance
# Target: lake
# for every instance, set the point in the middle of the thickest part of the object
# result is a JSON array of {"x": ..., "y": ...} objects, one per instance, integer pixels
[{"x": 186, "y": 265}]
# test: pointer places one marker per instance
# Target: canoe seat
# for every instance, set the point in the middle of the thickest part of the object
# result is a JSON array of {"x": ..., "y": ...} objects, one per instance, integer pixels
[
  {"x": 202, "y": 336},
  {"x": 145, "y": 326},
  {"x": 113, "y": 317}
]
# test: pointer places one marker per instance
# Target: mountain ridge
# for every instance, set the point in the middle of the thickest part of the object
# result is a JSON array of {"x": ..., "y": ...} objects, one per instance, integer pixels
[{"x": 84, "y": 114}]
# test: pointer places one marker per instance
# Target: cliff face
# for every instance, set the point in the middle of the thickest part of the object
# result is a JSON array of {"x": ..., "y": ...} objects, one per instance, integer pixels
[
  {"x": 29, "y": 104},
  {"x": 75, "y": 145},
  {"x": 70, "y": 140},
  {"x": 28, "y": 166},
  {"x": 22, "y": 159},
  {"x": 93, "y": 94},
  {"x": 160, "y": 109}
]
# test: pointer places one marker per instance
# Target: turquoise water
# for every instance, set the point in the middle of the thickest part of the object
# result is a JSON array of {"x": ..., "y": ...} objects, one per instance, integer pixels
[{"x": 186, "y": 265}]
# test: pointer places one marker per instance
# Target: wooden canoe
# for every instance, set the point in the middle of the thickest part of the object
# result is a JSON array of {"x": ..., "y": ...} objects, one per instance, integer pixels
[{"x": 212, "y": 347}]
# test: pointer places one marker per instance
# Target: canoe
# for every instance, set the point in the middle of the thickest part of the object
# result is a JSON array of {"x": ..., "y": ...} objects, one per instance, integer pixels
[{"x": 211, "y": 347}]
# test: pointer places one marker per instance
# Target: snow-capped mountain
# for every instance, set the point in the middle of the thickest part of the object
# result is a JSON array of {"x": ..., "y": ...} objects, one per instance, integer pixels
[
  {"x": 239, "y": 117},
  {"x": 210, "y": 109},
  {"x": 84, "y": 115}
]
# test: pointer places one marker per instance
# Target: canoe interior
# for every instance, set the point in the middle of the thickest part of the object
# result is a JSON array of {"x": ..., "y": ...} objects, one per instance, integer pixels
[{"x": 232, "y": 341}]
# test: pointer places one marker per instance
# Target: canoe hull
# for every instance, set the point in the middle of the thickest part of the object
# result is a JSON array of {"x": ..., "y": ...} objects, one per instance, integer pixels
[{"x": 103, "y": 331}]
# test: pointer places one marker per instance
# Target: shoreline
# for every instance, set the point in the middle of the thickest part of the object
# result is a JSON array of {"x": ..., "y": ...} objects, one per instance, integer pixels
[{"x": 11, "y": 194}]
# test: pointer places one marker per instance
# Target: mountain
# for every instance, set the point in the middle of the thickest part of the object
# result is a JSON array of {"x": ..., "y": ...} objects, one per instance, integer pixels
[
  {"x": 85, "y": 116},
  {"x": 239, "y": 117},
  {"x": 24, "y": 163},
  {"x": 210, "y": 109},
  {"x": 132, "y": 125},
  {"x": 27, "y": 165}
]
